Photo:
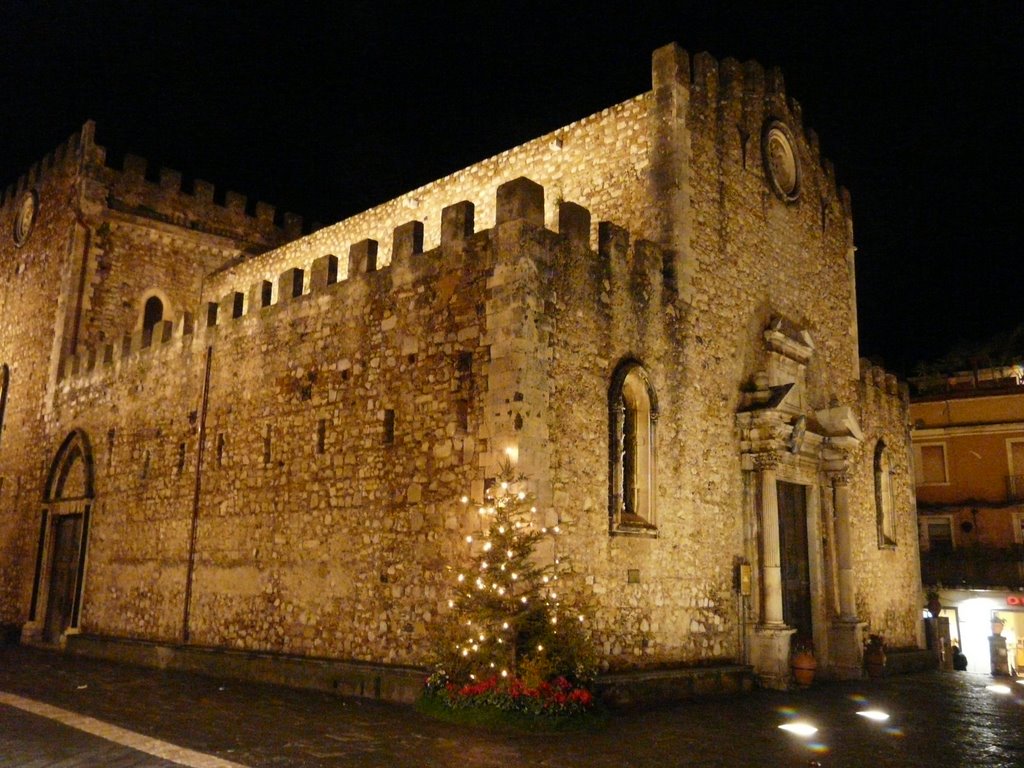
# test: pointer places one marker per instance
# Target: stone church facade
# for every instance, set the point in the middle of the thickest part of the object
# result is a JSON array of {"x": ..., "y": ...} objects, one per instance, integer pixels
[{"x": 220, "y": 432}]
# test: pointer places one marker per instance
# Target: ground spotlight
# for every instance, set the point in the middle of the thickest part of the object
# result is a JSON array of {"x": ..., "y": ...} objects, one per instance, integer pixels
[
  {"x": 874, "y": 714},
  {"x": 799, "y": 728}
]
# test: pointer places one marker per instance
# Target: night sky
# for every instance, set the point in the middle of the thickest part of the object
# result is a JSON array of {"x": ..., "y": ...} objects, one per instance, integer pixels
[{"x": 327, "y": 113}]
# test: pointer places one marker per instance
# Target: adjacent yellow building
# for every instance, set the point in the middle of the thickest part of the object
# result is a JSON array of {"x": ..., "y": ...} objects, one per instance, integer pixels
[{"x": 968, "y": 440}]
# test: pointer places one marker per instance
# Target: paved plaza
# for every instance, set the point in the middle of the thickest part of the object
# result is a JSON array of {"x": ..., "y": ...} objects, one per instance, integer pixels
[{"x": 71, "y": 712}]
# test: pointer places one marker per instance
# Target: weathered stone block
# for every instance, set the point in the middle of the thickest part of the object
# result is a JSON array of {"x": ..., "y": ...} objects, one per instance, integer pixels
[
  {"x": 289, "y": 285},
  {"x": 612, "y": 242},
  {"x": 574, "y": 223},
  {"x": 520, "y": 200},
  {"x": 362, "y": 257},
  {"x": 325, "y": 272},
  {"x": 457, "y": 222},
  {"x": 407, "y": 240}
]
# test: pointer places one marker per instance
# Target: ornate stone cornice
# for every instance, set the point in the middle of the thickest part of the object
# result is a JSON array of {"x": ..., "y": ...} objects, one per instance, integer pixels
[
  {"x": 839, "y": 477},
  {"x": 767, "y": 460}
]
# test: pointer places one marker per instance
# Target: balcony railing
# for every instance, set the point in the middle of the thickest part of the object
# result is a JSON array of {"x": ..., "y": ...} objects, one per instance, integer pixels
[
  {"x": 975, "y": 567},
  {"x": 1015, "y": 487}
]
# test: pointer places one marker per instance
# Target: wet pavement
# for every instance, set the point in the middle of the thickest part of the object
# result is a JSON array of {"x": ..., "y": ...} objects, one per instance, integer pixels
[{"x": 935, "y": 719}]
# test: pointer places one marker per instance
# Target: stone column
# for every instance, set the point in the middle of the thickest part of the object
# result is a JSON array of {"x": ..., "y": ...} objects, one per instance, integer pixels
[
  {"x": 846, "y": 652},
  {"x": 847, "y": 600},
  {"x": 769, "y": 644},
  {"x": 771, "y": 567}
]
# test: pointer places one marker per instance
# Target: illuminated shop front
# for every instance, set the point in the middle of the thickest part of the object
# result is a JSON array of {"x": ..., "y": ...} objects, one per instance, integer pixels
[{"x": 973, "y": 619}]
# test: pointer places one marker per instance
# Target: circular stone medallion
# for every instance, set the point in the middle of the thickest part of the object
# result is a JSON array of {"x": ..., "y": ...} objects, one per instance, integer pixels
[
  {"x": 781, "y": 162},
  {"x": 25, "y": 216}
]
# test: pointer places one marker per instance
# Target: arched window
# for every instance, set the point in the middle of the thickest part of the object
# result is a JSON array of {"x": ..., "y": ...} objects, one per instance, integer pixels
[
  {"x": 152, "y": 313},
  {"x": 633, "y": 413},
  {"x": 885, "y": 507}
]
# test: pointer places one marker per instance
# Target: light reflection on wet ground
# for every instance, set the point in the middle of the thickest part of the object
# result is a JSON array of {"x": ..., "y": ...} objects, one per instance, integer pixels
[{"x": 934, "y": 719}]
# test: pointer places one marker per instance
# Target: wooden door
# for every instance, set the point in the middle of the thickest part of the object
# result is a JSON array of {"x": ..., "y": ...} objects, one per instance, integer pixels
[
  {"x": 796, "y": 572},
  {"x": 67, "y": 535}
]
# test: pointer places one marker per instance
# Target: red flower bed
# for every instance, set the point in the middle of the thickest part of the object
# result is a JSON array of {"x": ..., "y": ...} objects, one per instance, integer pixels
[{"x": 553, "y": 697}]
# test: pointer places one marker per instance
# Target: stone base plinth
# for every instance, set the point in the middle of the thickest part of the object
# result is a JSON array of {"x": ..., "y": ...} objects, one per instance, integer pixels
[
  {"x": 846, "y": 649},
  {"x": 641, "y": 689},
  {"x": 348, "y": 678},
  {"x": 769, "y": 655}
]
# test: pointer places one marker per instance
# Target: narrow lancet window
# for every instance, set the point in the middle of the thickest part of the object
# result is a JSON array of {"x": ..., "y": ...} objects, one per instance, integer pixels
[
  {"x": 632, "y": 418},
  {"x": 885, "y": 508}
]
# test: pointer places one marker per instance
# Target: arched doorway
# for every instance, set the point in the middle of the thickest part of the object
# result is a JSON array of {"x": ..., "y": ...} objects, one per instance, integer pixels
[{"x": 63, "y": 540}]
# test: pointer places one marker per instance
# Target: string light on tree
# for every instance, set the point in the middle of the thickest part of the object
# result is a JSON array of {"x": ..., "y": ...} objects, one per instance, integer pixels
[{"x": 511, "y": 599}]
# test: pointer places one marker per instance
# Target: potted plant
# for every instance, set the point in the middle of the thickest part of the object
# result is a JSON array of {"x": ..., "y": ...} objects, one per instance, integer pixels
[
  {"x": 997, "y": 625},
  {"x": 874, "y": 655},
  {"x": 802, "y": 661}
]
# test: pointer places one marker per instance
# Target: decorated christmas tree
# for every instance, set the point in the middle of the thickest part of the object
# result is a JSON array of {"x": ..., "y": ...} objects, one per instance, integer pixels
[{"x": 513, "y": 635}]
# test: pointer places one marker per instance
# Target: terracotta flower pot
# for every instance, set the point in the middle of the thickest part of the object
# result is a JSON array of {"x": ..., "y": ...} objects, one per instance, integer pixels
[
  {"x": 874, "y": 661},
  {"x": 874, "y": 655},
  {"x": 804, "y": 667}
]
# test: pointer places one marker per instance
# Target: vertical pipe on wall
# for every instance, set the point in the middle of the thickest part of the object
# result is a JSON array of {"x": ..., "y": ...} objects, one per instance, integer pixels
[{"x": 190, "y": 570}]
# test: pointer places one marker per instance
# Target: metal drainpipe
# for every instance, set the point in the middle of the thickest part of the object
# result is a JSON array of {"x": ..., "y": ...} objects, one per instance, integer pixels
[{"x": 200, "y": 450}]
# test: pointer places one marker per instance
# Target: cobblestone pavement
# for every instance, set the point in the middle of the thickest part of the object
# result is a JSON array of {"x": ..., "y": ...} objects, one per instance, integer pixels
[{"x": 936, "y": 719}]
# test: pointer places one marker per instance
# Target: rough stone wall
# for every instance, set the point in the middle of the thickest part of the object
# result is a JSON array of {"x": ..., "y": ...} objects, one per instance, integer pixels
[
  {"x": 889, "y": 596},
  {"x": 324, "y": 540},
  {"x": 321, "y": 533},
  {"x": 101, "y": 237},
  {"x": 127, "y": 261},
  {"x": 753, "y": 257},
  {"x": 32, "y": 278},
  {"x": 144, "y": 235}
]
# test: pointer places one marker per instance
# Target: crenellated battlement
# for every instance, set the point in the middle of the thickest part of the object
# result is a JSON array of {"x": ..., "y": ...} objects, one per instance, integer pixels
[
  {"x": 37, "y": 172},
  {"x": 138, "y": 187},
  {"x": 520, "y": 204},
  {"x": 141, "y": 187},
  {"x": 876, "y": 377},
  {"x": 742, "y": 97},
  {"x": 729, "y": 105}
]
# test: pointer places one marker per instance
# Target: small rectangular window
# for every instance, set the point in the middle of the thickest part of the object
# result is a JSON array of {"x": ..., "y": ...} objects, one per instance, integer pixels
[
  {"x": 181, "y": 458},
  {"x": 220, "y": 449},
  {"x": 266, "y": 444},
  {"x": 930, "y": 464},
  {"x": 321, "y": 435},
  {"x": 462, "y": 414},
  {"x": 389, "y": 426}
]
